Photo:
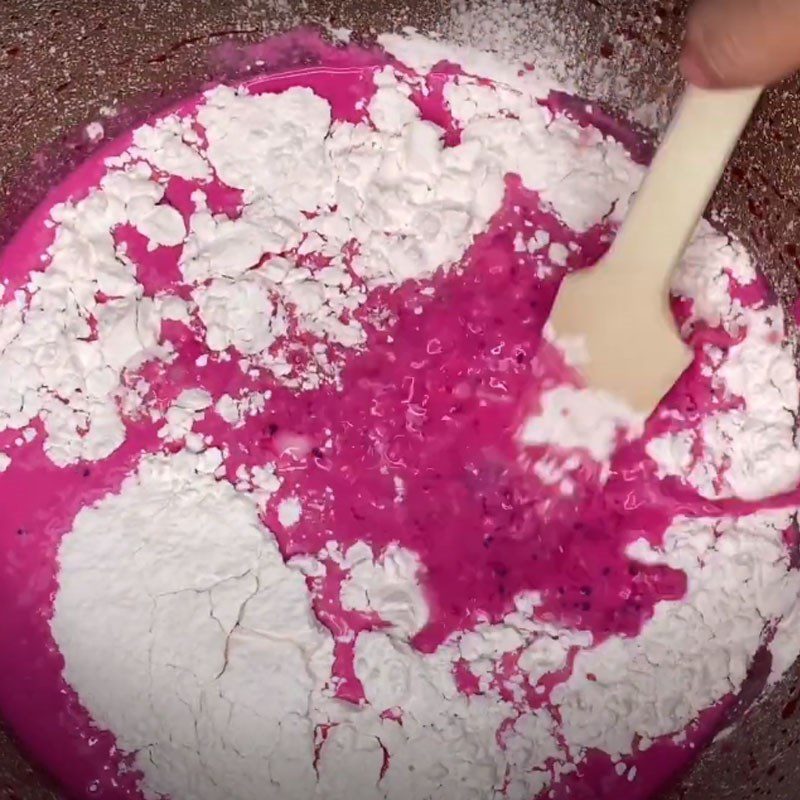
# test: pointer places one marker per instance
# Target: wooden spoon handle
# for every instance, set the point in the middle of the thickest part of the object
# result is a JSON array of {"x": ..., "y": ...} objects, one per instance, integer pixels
[{"x": 680, "y": 182}]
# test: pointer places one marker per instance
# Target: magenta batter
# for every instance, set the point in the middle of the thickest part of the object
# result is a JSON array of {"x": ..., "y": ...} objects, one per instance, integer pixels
[{"x": 433, "y": 400}]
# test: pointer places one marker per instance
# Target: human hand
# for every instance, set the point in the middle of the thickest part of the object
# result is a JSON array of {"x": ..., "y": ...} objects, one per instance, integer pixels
[{"x": 736, "y": 43}]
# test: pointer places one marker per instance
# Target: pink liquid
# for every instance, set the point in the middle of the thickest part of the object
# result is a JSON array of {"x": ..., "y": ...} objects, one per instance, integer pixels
[{"x": 434, "y": 402}]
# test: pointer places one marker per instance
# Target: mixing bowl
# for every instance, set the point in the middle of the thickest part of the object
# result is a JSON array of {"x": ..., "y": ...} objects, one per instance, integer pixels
[{"x": 66, "y": 63}]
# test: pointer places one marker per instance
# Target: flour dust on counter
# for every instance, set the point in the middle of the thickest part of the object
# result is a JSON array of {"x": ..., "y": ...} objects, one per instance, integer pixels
[{"x": 305, "y": 499}]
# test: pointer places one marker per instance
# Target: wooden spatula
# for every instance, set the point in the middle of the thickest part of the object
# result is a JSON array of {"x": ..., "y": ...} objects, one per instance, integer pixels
[{"x": 620, "y": 307}]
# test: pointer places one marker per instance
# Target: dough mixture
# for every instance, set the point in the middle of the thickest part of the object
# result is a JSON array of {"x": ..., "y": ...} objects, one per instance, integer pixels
[{"x": 301, "y": 500}]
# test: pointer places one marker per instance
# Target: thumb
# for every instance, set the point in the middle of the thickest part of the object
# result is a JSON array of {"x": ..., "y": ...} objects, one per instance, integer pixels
[{"x": 734, "y": 43}]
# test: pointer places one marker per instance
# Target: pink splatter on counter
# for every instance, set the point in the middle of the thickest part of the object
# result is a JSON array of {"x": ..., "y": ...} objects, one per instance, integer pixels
[{"x": 412, "y": 435}]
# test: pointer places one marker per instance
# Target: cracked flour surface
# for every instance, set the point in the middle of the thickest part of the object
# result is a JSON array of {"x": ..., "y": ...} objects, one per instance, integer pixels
[
  {"x": 358, "y": 550},
  {"x": 221, "y": 647},
  {"x": 231, "y": 668}
]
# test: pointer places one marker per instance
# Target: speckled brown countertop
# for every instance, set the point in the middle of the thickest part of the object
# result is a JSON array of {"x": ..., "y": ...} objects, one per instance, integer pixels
[{"x": 64, "y": 63}]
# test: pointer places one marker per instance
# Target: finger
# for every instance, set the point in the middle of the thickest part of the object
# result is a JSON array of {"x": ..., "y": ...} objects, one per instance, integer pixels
[{"x": 733, "y": 43}]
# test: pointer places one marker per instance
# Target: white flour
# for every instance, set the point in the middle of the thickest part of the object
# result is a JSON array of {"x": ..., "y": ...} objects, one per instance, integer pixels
[
  {"x": 749, "y": 451},
  {"x": 52, "y": 369},
  {"x": 579, "y": 419},
  {"x": 216, "y": 674},
  {"x": 694, "y": 651},
  {"x": 387, "y": 587}
]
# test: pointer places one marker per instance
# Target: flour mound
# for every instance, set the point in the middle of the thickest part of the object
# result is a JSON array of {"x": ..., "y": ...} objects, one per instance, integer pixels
[{"x": 200, "y": 621}]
